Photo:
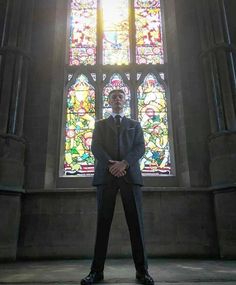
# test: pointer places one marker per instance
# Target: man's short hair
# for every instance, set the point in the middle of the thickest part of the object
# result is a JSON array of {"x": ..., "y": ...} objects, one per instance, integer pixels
[{"x": 116, "y": 90}]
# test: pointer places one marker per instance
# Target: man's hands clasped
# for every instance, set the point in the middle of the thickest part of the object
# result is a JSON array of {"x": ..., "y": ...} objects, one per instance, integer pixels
[{"x": 118, "y": 168}]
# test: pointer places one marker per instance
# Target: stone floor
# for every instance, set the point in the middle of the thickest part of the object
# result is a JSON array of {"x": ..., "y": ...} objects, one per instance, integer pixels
[{"x": 120, "y": 271}]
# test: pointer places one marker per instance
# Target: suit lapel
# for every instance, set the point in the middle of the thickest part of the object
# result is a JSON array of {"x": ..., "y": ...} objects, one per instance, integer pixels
[{"x": 123, "y": 125}]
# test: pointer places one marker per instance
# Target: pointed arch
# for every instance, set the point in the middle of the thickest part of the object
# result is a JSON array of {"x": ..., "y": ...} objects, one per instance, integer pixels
[
  {"x": 80, "y": 117},
  {"x": 115, "y": 82},
  {"x": 152, "y": 114},
  {"x": 117, "y": 46}
]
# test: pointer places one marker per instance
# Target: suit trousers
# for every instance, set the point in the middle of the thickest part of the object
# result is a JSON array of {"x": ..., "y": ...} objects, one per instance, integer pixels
[{"x": 131, "y": 196}]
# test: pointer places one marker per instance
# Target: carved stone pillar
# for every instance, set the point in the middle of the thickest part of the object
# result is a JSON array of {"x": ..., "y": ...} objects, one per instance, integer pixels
[
  {"x": 14, "y": 67},
  {"x": 219, "y": 71}
]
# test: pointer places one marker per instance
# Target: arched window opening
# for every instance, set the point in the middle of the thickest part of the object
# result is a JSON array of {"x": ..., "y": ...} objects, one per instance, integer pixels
[{"x": 116, "y": 45}]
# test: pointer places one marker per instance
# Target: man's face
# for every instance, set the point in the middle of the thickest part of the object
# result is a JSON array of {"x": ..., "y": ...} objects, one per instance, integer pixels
[{"x": 117, "y": 101}]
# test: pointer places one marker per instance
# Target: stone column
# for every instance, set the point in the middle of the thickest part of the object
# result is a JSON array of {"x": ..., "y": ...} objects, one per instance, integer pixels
[
  {"x": 216, "y": 18},
  {"x": 14, "y": 67},
  {"x": 219, "y": 72},
  {"x": 15, "y": 38}
]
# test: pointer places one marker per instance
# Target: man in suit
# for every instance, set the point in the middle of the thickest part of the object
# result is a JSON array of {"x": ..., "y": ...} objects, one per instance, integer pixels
[{"x": 117, "y": 145}]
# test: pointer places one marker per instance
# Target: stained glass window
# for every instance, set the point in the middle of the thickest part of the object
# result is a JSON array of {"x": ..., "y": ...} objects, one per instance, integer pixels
[
  {"x": 83, "y": 19},
  {"x": 152, "y": 113},
  {"x": 115, "y": 32},
  {"x": 149, "y": 43},
  {"x": 116, "y": 45},
  {"x": 79, "y": 126}
]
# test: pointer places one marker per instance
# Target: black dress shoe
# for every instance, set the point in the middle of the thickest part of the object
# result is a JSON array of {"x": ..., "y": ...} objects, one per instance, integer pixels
[
  {"x": 144, "y": 278},
  {"x": 93, "y": 277}
]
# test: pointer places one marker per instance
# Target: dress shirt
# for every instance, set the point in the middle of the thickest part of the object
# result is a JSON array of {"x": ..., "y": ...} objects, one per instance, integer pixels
[{"x": 120, "y": 114}]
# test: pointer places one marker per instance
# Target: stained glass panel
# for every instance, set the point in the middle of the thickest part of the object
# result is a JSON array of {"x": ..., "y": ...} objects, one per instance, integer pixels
[
  {"x": 115, "y": 32},
  {"x": 83, "y": 18},
  {"x": 152, "y": 112},
  {"x": 79, "y": 126},
  {"x": 149, "y": 43},
  {"x": 115, "y": 82}
]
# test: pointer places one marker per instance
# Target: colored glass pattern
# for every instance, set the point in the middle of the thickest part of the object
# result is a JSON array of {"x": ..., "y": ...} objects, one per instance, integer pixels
[
  {"x": 115, "y": 32},
  {"x": 149, "y": 43},
  {"x": 115, "y": 82},
  {"x": 83, "y": 32},
  {"x": 152, "y": 112},
  {"x": 79, "y": 126},
  {"x": 115, "y": 48}
]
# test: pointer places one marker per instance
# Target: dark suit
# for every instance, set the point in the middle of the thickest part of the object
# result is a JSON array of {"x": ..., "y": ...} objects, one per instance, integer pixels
[{"x": 105, "y": 148}]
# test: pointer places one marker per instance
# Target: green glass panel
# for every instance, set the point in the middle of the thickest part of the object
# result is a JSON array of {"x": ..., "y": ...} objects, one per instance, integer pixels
[{"x": 152, "y": 112}]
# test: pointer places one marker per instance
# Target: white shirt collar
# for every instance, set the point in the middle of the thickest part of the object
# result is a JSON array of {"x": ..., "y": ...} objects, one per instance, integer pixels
[{"x": 121, "y": 114}]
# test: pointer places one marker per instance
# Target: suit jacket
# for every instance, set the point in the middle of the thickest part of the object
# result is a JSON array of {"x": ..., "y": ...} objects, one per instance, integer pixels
[{"x": 105, "y": 147}]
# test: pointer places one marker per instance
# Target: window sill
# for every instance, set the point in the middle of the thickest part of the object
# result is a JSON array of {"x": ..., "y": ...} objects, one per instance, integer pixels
[{"x": 86, "y": 181}]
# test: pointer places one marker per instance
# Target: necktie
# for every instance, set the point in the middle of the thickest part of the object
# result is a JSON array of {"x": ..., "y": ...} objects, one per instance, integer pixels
[{"x": 117, "y": 121}]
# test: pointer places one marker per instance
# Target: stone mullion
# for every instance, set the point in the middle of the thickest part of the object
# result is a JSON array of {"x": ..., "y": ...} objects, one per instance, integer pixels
[
  {"x": 133, "y": 76},
  {"x": 99, "y": 69}
]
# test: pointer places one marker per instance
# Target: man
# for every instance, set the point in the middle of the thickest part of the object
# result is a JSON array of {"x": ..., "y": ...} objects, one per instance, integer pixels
[{"x": 117, "y": 145}]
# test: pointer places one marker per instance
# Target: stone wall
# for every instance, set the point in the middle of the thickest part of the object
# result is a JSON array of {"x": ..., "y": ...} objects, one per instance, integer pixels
[
  {"x": 225, "y": 201},
  {"x": 10, "y": 205},
  {"x": 62, "y": 224}
]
